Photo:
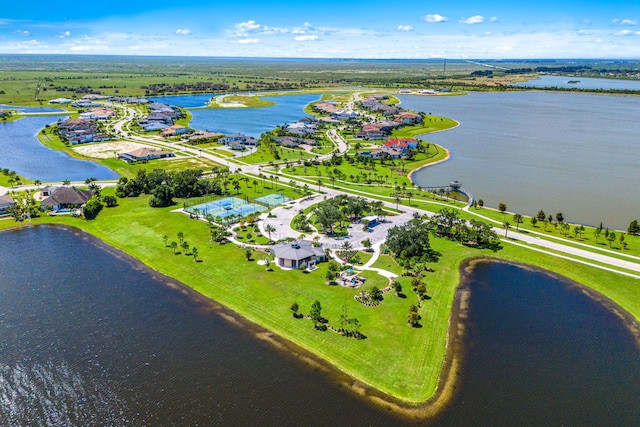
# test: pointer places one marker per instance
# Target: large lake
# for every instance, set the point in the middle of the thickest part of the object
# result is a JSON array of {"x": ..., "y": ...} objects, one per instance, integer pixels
[
  {"x": 23, "y": 153},
  {"x": 249, "y": 121},
  {"x": 91, "y": 338},
  {"x": 581, "y": 83},
  {"x": 560, "y": 152}
]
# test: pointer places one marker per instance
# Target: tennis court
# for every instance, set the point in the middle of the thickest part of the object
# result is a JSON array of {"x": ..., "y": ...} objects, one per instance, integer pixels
[
  {"x": 226, "y": 207},
  {"x": 273, "y": 199}
]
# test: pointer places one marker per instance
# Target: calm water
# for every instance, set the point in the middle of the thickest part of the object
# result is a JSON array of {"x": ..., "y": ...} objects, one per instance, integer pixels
[
  {"x": 542, "y": 353},
  {"x": 90, "y": 338},
  {"x": 184, "y": 101},
  {"x": 31, "y": 109},
  {"x": 583, "y": 83},
  {"x": 21, "y": 151},
  {"x": 253, "y": 121},
  {"x": 573, "y": 153}
]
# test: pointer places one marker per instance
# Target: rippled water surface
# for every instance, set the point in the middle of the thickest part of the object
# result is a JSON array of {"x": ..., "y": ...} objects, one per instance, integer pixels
[
  {"x": 570, "y": 153},
  {"x": 88, "y": 337}
]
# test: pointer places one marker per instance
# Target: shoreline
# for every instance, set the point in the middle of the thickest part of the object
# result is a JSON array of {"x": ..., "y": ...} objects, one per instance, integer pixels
[
  {"x": 448, "y": 156},
  {"x": 450, "y": 374}
]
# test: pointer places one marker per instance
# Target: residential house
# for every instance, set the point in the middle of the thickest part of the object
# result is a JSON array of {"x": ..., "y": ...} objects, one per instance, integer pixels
[
  {"x": 239, "y": 138},
  {"x": 295, "y": 254},
  {"x": 5, "y": 203},
  {"x": 145, "y": 154},
  {"x": 100, "y": 113},
  {"x": 61, "y": 101},
  {"x": 66, "y": 197},
  {"x": 408, "y": 118},
  {"x": 301, "y": 128},
  {"x": 174, "y": 130}
]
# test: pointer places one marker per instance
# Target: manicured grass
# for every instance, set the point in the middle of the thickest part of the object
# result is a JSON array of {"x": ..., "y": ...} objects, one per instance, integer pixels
[
  {"x": 554, "y": 230},
  {"x": 264, "y": 297},
  {"x": 264, "y": 155}
]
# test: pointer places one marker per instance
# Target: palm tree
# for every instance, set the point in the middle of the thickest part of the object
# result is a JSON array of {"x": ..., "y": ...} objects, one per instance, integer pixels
[
  {"x": 269, "y": 229},
  {"x": 37, "y": 183},
  {"x": 517, "y": 218},
  {"x": 506, "y": 227},
  {"x": 397, "y": 200},
  {"x": 66, "y": 182},
  {"x": 319, "y": 182}
]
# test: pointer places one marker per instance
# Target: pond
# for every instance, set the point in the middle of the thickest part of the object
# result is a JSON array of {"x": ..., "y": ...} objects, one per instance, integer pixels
[
  {"x": 23, "y": 153},
  {"x": 560, "y": 152},
  {"x": 91, "y": 337}
]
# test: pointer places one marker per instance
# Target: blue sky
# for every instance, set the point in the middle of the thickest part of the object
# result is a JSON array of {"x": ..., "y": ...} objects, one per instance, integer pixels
[{"x": 335, "y": 29}]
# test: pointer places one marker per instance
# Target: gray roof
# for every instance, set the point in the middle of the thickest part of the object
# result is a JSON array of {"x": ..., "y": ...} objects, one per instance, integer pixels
[
  {"x": 67, "y": 196},
  {"x": 297, "y": 250}
]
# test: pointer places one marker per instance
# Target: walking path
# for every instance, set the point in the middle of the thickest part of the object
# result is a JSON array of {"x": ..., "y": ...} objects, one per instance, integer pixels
[{"x": 284, "y": 215}]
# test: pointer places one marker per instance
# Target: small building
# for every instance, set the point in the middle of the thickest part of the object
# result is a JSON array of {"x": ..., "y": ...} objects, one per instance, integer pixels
[
  {"x": 296, "y": 253},
  {"x": 371, "y": 220}
]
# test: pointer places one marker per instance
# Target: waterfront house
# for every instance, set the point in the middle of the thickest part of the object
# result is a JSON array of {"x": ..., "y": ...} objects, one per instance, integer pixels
[
  {"x": 5, "y": 203},
  {"x": 174, "y": 130},
  {"x": 66, "y": 197}
]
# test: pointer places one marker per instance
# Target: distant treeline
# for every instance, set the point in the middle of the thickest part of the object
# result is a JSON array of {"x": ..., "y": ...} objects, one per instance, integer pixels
[{"x": 186, "y": 87}]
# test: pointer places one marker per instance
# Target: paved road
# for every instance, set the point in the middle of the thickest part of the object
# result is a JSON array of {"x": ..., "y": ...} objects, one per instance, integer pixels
[{"x": 529, "y": 241}]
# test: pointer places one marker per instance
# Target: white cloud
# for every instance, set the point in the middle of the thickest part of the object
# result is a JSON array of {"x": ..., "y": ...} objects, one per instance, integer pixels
[
  {"x": 493, "y": 19},
  {"x": 149, "y": 47},
  {"x": 243, "y": 29},
  {"x": 183, "y": 32},
  {"x": 248, "y": 41},
  {"x": 434, "y": 17},
  {"x": 472, "y": 20},
  {"x": 306, "y": 38},
  {"x": 84, "y": 48},
  {"x": 23, "y": 33},
  {"x": 405, "y": 28},
  {"x": 628, "y": 33},
  {"x": 625, "y": 22},
  {"x": 64, "y": 35}
]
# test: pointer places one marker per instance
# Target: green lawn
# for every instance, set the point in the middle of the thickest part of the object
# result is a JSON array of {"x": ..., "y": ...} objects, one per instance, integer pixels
[{"x": 413, "y": 356}]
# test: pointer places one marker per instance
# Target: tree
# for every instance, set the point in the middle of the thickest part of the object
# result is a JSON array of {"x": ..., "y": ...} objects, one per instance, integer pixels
[
  {"x": 506, "y": 225},
  {"x": 409, "y": 243},
  {"x": 502, "y": 208},
  {"x": 294, "y": 308},
  {"x": 174, "y": 246},
  {"x": 165, "y": 239},
  {"x": 596, "y": 233},
  {"x": 247, "y": 253},
  {"x": 185, "y": 247},
  {"x": 92, "y": 208},
  {"x": 634, "y": 228},
  {"x": 397, "y": 287},
  {"x": 110, "y": 201},
  {"x": 180, "y": 237},
  {"x": 316, "y": 313},
  {"x": 194, "y": 254},
  {"x": 517, "y": 218},
  {"x": 414, "y": 317},
  {"x": 376, "y": 293},
  {"x": 480, "y": 203},
  {"x": 541, "y": 216},
  {"x": 611, "y": 238},
  {"x": 366, "y": 243},
  {"x": 559, "y": 217},
  {"x": 269, "y": 229}
]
